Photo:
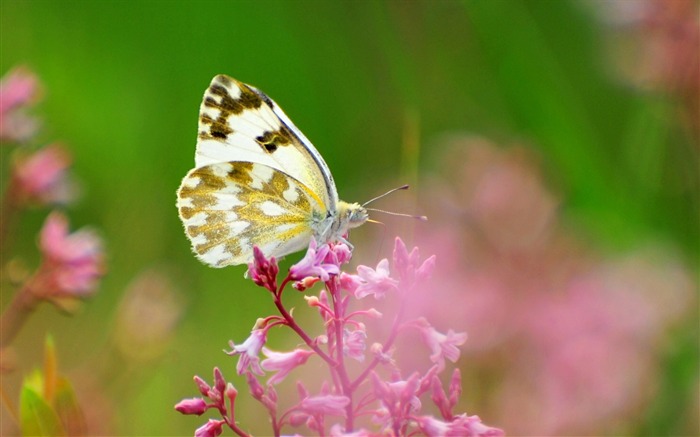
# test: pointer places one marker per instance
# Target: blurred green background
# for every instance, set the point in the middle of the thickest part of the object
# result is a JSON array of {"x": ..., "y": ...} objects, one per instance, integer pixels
[{"x": 122, "y": 86}]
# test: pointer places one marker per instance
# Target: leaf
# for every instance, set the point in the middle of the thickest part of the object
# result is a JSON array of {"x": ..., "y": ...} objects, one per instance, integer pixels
[
  {"x": 50, "y": 369},
  {"x": 37, "y": 418},
  {"x": 67, "y": 407}
]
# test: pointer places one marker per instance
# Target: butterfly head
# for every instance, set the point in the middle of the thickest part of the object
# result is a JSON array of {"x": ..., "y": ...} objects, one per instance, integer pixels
[{"x": 351, "y": 215}]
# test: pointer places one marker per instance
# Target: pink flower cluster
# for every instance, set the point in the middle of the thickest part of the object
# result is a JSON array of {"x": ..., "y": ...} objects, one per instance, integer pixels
[
  {"x": 18, "y": 90},
  {"x": 366, "y": 392},
  {"x": 72, "y": 264},
  {"x": 580, "y": 330}
]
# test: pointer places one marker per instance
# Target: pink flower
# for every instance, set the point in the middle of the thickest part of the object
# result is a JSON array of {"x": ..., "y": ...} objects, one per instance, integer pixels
[
  {"x": 212, "y": 428},
  {"x": 192, "y": 406},
  {"x": 349, "y": 282},
  {"x": 460, "y": 426},
  {"x": 17, "y": 89},
  {"x": 73, "y": 263},
  {"x": 441, "y": 399},
  {"x": 315, "y": 263},
  {"x": 354, "y": 344},
  {"x": 42, "y": 176},
  {"x": 249, "y": 351},
  {"x": 338, "y": 431},
  {"x": 410, "y": 269},
  {"x": 325, "y": 405},
  {"x": 442, "y": 345},
  {"x": 339, "y": 254},
  {"x": 283, "y": 362},
  {"x": 376, "y": 282},
  {"x": 263, "y": 271},
  {"x": 218, "y": 396}
]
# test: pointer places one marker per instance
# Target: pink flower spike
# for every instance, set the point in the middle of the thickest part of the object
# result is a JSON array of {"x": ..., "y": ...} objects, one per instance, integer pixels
[
  {"x": 192, "y": 406},
  {"x": 314, "y": 264},
  {"x": 263, "y": 271},
  {"x": 73, "y": 263},
  {"x": 212, "y": 428},
  {"x": 376, "y": 282},
  {"x": 249, "y": 351},
  {"x": 41, "y": 177},
  {"x": 283, "y": 362},
  {"x": 325, "y": 405}
]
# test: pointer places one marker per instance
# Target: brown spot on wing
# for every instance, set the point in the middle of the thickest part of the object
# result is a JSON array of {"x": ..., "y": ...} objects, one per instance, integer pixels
[
  {"x": 227, "y": 105},
  {"x": 271, "y": 140}
]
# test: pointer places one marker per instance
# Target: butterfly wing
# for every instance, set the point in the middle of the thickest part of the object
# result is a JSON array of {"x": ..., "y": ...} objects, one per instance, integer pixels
[
  {"x": 237, "y": 122},
  {"x": 227, "y": 208}
]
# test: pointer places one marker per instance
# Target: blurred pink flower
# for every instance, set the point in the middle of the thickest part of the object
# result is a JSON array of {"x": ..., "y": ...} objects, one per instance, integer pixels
[
  {"x": 324, "y": 405},
  {"x": 580, "y": 331},
  {"x": 655, "y": 45},
  {"x": 459, "y": 426},
  {"x": 354, "y": 343},
  {"x": 147, "y": 316},
  {"x": 442, "y": 345},
  {"x": 42, "y": 177},
  {"x": 72, "y": 263},
  {"x": 18, "y": 88},
  {"x": 283, "y": 362},
  {"x": 375, "y": 282}
]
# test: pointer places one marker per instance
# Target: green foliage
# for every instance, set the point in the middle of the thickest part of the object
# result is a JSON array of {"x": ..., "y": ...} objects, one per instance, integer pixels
[{"x": 48, "y": 405}]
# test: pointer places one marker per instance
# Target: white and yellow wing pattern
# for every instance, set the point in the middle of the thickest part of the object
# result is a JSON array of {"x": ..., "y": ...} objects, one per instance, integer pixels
[{"x": 257, "y": 181}]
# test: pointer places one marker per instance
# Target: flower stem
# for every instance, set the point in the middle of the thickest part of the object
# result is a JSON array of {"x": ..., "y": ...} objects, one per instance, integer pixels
[
  {"x": 8, "y": 212},
  {"x": 296, "y": 328},
  {"x": 16, "y": 314},
  {"x": 340, "y": 368},
  {"x": 386, "y": 346}
]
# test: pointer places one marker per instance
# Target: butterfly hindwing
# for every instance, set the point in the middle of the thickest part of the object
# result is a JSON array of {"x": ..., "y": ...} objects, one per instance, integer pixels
[
  {"x": 237, "y": 122},
  {"x": 229, "y": 207}
]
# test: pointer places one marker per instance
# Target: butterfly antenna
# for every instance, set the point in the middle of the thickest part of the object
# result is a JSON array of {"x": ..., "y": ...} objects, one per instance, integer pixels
[
  {"x": 402, "y": 187},
  {"x": 398, "y": 214}
]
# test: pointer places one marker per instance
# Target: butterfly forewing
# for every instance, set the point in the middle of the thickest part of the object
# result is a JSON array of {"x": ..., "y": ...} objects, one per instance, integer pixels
[
  {"x": 237, "y": 122},
  {"x": 227, "y": 208}
]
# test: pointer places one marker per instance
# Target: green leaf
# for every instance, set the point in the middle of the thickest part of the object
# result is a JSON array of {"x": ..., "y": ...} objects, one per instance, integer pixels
[
  {"x": 68, "y": 409},
  {"x": 50, "y": 369},
  {"x": 37, "y": 418}
]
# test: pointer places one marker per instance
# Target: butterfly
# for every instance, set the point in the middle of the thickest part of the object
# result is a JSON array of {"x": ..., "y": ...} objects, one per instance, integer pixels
[{"x": 257, "y": 181}]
